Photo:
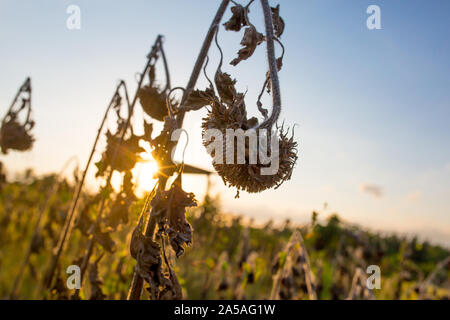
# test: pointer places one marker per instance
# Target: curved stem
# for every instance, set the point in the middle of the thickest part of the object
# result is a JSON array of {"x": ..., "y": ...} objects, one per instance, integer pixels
[
  {"x": 166, "y": 66},
  {"x": 169, "y": 103},
  {"x": 273, "y": 70}
]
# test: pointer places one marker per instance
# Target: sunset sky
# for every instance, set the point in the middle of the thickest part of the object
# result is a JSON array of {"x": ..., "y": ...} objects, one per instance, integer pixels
[{"x": 371, "y": 107}]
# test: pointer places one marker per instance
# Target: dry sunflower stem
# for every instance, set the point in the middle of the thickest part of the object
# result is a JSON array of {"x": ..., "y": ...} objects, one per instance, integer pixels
[{"x": 289, "y": 265}]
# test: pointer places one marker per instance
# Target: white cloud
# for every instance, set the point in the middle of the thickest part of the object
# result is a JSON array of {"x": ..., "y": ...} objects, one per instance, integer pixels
[{"x": 372, "y": 189}]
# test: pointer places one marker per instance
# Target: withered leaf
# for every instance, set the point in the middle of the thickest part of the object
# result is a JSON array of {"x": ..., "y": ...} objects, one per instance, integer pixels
[
  {"x": 237, "y": 20},
  {"x": 252, "y": 38},
  {"x": 279, "y": 63},
  {"x": 278, "y": 22},
  {"x": 225, "y": 86},
  {"x": 172, "y": 204},
  {"x": 199, "y": 98}
]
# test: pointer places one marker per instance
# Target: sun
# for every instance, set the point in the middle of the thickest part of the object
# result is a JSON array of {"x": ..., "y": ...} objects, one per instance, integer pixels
[{"x": 143, "y": 172}]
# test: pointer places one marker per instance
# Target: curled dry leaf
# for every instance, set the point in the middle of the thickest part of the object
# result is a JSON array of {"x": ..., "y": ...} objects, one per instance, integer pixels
[
  {"x": 237, "y": 20},
  {"x": 149, "y": 266},
  {"x": 252, "y": 38},
  {"x": 172, "y": 206},
  {"x": 278, "y": 22},
  {"x": 197, "y": 99},
  {"x": 172, "y": 288},
  {"x": 225, "y": 86}
]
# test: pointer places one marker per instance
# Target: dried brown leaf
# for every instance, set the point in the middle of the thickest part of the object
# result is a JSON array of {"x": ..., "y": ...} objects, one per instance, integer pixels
[
  {"x": 237, "y": 20},
  {"x": 278, "y": 22},
  {"x": 252, "y": 38}
]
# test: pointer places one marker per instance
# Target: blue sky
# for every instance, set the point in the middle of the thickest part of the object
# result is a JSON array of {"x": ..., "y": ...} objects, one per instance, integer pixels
[{"x": 372, "y": 107}]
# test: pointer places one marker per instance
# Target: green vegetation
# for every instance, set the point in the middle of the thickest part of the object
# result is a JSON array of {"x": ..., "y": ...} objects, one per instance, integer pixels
[{"x": 227, "y": 259}]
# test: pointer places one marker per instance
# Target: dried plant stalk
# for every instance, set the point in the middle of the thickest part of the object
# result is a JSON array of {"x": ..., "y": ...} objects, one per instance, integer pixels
[
  {"x": 65, "y": 233},
  {"x": 359, "y": 288},
  {"x": 294, "y": 251}
]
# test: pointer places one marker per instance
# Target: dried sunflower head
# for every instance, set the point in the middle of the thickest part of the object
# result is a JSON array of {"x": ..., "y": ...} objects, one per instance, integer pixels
[
  {"x": 153, "y": 98},
  {"x": 249, "y": 177},
  {"x": 153, "y": 101},
  {"x": 15, "y": 136}
]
